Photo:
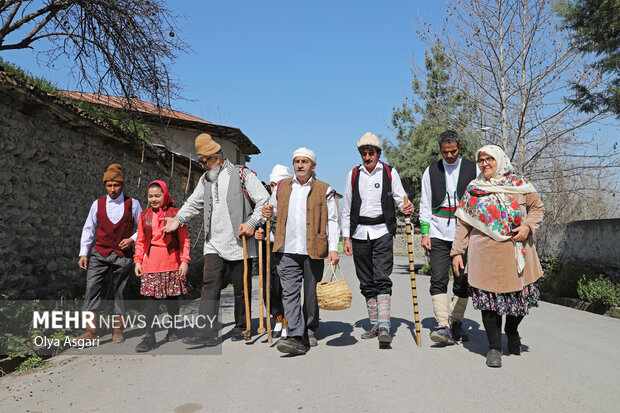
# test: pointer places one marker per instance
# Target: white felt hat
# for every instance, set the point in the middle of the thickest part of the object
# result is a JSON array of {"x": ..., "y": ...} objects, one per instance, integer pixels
[
  {"x": 369, "y": 139},
  {"x": 279, "y": 172},
  {"x": 305, "y": 152}
]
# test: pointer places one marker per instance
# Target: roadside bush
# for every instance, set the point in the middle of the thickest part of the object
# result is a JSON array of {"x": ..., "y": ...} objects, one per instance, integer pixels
[
  {"x": 562, "y": 279},
  {"x": 599, "y": 291}
]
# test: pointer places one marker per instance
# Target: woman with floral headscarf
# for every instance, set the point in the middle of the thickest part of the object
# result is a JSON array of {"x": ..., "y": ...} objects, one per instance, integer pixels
[{"x": 497, "y": 217}]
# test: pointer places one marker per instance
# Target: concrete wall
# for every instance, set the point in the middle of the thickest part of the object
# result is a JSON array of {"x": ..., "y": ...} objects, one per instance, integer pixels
[
  {"x": 595, "y": 243},
  {"x": 52, "y": 164}
]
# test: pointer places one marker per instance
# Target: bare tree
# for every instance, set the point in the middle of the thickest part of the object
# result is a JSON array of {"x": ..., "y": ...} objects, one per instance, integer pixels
[
  {"x": 515, "y": 65},
  {"x": 119, "y": 47}
]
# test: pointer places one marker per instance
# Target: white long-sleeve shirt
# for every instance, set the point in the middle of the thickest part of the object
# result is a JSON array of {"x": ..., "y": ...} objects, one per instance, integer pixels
[
  {"x": 295, "y": 239},
  {"x": 370, "y": 186},
  {"x": 442, "y": 228},
  {"x": 115, "y": 209},
  {"x": 223, "y": 240}
]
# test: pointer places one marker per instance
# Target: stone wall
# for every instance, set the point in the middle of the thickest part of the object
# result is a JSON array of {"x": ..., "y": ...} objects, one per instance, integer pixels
[
  {"x": 594, "y": 243},
  {"x": 53, "y": 160}
]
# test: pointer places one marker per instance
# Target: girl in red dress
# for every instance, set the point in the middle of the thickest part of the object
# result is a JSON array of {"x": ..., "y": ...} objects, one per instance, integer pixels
[{"x": 161, "y": 261}]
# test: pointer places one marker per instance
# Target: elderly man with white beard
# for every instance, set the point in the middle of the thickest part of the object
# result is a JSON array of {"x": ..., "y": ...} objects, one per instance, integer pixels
[{"x": 231, "y": 197}]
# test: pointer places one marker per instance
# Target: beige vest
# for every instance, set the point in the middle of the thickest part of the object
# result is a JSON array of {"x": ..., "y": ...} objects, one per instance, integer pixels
[{"x": 316, "y": 218}]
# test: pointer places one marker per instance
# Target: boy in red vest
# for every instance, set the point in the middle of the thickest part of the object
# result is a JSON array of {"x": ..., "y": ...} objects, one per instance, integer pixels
[{"x": 111, "y": 220}]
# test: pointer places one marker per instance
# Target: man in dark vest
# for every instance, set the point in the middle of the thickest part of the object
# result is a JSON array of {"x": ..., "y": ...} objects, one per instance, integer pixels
[
  {"x": 443, "y": 184},
  {"x": 231, "y": 198},
  {"x": 371, "y": 193},
  {"x": 306, "y": 233},
  {"x": 111, "y": 220}
]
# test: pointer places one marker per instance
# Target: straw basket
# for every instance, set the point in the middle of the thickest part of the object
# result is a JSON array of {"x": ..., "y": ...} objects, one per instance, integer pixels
[{"x": 335, "y": 293}]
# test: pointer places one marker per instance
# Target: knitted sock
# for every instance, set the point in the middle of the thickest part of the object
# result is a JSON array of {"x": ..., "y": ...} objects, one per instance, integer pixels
[
  {"x": 373, "y": 315},
  {"x": 442, "y": 311},
  {"x": 383, "y": 310},
  {"x": 457, "y": 308}
]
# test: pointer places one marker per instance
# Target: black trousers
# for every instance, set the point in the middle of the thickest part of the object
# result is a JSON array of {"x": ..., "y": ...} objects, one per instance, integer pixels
[
  {"x": 213, "y": 277},
  {"x": 440, "y": 267},
  {"x": 374, "y": 260}
]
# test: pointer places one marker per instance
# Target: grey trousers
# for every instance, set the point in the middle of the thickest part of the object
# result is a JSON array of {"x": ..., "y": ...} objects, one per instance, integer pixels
[
  {"x": 295, "y": 271},
  {"x": 98, "y": 268}
]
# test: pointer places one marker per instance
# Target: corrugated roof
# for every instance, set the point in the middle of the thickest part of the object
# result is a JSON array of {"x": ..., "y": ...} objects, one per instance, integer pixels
[
  {"x": 137, "y": 105},
  {"x": 233, "y": 134}
]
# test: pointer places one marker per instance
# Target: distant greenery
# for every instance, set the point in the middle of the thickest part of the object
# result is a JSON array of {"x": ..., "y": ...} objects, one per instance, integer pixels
[
  {"x": 124, "y": 120},
  {"x": 600, "y": 291}
]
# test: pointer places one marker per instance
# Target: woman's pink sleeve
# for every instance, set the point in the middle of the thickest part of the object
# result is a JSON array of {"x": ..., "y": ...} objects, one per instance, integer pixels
[{"x": 138, "y": 254}]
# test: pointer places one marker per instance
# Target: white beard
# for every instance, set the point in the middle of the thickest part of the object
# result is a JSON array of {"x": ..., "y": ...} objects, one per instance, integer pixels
[{"x": 213, "y": 173}]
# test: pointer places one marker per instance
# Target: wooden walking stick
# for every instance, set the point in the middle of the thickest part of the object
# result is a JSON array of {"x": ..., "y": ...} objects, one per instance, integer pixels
[
  {"x": 414, "y": 293},
  {"x": 268, "y": 280},
  {"x": 261, "y": 326},
  {"x": 247, "y": 334}
]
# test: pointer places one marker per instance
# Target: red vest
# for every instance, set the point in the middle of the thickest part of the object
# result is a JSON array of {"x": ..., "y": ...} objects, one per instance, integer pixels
[
  {"x": 109, "y": 235},
  {"x": 172, "y": 239}
]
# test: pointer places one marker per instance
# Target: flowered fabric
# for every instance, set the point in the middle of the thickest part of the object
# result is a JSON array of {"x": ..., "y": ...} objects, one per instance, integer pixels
[
  {"x": 515, "y": 303},
  {"x": 490, "y": 205},
  {"x": 163, "y": 284}
]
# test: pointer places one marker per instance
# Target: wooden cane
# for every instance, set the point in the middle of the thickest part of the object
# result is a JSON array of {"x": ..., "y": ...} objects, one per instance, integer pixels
[
  {"x": 247, "y": 334},
  {"x": 268, "y": 280},
  {"x": 261, "y": 326},
  {"x": 414, "y": 293}
]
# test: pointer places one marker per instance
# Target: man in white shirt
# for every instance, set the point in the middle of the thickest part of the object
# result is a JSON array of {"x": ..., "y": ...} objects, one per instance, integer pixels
[
  {"x": 306, "y": 233},
  {"x": 371, "y": 193},
  {"x": 231, "y": 199},
  {"x": 111, "y": 220},
  {"x": 443, "y": 184}
]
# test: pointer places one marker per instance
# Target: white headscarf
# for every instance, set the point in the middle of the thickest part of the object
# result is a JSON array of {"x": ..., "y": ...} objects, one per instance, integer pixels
[
  {"x": 499, "y": 182},
  {"x": 279, "y": 172}
]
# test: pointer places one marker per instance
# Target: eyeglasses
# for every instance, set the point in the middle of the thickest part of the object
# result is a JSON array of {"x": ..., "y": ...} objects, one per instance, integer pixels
[
  {"x": 488, "y": 161},
  {"x": 204, "y": 160}
]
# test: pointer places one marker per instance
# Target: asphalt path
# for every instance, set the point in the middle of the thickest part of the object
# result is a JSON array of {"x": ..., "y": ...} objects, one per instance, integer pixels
[{"x": 570, "y": 363}]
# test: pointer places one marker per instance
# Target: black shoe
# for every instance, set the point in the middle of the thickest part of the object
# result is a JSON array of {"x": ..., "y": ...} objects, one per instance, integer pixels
[
  {"x": 514, "y": 344},
  {"x": 147, "y": 344},
  {"x": 494, "y": 358},
  {"x": 371, "y": 333},
  {"x": 292, "y": 345},
  {"x": 384, "y": 336},
  {"x": 458, "y": 333},
  {"x": 200, "y": 341},
  {"x": 171, "y": 335},
  {"x": 237, "y": 335}
]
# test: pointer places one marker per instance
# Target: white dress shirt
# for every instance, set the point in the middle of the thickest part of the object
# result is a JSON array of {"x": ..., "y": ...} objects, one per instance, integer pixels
[
  {"x": 295, "y": 238},
  {"x": 442, "y": 228},
  {"x": 371, "y": 187},
  {"x": 115, "y": 209}
]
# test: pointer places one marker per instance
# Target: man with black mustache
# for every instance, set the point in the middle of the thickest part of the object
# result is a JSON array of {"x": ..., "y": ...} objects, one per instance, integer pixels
[{"x": 371, "y": 193}]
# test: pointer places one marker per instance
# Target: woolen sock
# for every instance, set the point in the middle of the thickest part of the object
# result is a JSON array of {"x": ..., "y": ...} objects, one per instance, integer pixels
[
  {"x": 441, "y": 309},
  {"x": 457, "y": 308},
  {"x": 373, "y": 314},
  {"x": 493, "y": 327},
  {"x": 383, "y": 310}
]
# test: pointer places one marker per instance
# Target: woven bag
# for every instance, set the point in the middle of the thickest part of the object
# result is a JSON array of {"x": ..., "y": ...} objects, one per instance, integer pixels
[{"x": 335, "y": 293}]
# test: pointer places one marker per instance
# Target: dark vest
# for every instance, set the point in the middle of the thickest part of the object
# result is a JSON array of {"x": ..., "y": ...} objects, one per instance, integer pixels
[
  {"x": 109, "y": 235},
  {"x": 437, "y": 173},
  {"x": 172, "y": 239},
  {"x": 387, "y": 202}
]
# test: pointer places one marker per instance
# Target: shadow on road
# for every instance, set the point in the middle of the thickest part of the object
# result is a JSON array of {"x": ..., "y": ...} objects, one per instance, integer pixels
[{"x": 342, "y": 330}]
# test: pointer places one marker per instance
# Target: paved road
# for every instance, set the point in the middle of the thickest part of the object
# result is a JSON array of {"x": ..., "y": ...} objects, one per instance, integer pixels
[{"x": 570, "y": 365}]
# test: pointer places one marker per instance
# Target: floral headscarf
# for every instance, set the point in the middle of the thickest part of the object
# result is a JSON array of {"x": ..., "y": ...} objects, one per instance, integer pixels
[{"x": 489, "y": 205}]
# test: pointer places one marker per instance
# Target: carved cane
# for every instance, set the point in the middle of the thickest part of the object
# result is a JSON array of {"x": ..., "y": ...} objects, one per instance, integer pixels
[
  {"x": 414, "y": 293},
  {"x": 247, "y": 334}
]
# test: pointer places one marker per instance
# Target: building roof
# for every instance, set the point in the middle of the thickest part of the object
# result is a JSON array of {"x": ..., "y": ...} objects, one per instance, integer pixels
[{"x": 173, "y": 118}]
